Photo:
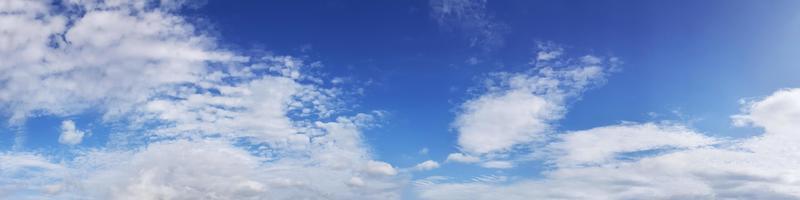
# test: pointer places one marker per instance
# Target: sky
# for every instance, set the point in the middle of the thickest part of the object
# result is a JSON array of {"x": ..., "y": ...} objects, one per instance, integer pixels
[{"x": 419, "y": 99}]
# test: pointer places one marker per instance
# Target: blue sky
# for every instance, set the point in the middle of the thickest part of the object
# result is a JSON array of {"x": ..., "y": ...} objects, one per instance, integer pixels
[{"x": 438, "y": 99}]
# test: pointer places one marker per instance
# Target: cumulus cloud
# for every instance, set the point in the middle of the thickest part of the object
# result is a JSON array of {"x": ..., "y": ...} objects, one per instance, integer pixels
[
  {"x": 520, "y": 108},
  {"x": 686, "y": 165},
  {"x": 427, "y": 165},
  {"x": 204, "y": 122},
  {"x": 69, "y": 134}
]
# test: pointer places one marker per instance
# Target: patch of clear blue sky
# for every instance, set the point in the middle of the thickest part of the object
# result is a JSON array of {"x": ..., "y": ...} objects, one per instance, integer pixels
[{"x": 695, "y": 57}]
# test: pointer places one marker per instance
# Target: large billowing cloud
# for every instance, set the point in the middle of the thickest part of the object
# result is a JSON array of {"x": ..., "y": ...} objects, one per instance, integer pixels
[
  {"x": 660, "y": 161},
  {"x": 201, "y": 122}
]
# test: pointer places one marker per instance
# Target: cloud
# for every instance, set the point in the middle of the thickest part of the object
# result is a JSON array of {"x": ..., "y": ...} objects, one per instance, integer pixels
[
  {"x": 380, "y": 168},
  {"x": 69, "y": 134},
  {"x": 778, "y": 113},
  {"x": 548, "y": 51},
  {"x": 496, "y": 164},
  {"x": 462, "y": 158},
  {"x": 28, "y": 173},
  {"x": 520, "y": 108},
  {"x": 200, "y": 122},
  {"x": 427, "y": 165},
  {"x": 687, "y": 165},
  {"x": 67, "y": 57},
  {"x": 600, "y": 145},
  {"x": 472, "y": 19}
]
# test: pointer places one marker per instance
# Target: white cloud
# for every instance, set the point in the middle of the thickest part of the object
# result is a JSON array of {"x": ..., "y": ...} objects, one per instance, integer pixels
[
  {"x": 778, "y": 114},
  {"x": 519, "y": 108},
  {"x": 64, "y": 61},
  {"x": 548, "y": 51},
  {"x": 497, "y": 164},
  {"x": 760, "y": 167},
  {"x": 22, "y": 173},
  {"x": 380, "y": 168},
  {"x": 427, "y": 165},
  {"x": 462, "y": 158},
  {"x": 70, "y": 134},
  {"x": 201, "y": 122}
]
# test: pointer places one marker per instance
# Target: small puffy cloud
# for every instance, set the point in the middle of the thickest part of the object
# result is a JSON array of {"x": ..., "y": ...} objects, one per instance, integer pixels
[
  {"x": 462, "y": 158},
  {"x": 70, "y": 134},
  {"x": 427, "y": 165},
  {"x": 380, "y": 168}
]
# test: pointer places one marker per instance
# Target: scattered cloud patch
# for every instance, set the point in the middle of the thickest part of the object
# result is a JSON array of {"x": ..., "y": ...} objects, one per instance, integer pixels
[
  {"x": 427, "y": 165},
  {"x": 472, "y": 19}
]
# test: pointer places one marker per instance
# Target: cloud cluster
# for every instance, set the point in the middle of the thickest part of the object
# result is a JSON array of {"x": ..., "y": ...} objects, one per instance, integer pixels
[
  {"x": 518, "y": 109},
  {"x": 204, "y": 122},
  {"x": 660, "y": 161},
  {"x": 65, "y": 58}
]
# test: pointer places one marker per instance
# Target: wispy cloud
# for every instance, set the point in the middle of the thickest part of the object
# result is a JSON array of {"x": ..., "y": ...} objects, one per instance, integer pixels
[{"x": 471, "y": 19}]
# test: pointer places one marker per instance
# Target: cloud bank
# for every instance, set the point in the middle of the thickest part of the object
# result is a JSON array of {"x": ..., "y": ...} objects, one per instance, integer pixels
[
  {"x": 657, "y": 161},
  {"x": 201, "y": 122}
]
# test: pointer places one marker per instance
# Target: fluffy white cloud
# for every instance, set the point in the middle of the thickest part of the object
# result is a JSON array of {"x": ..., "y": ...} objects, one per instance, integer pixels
[
  {"x": 519, "y": 108},
  {"x": 693, "y": 167},
  {"x": 202, "y": 122},
  {"x": 427, "y": 165},
  {"x": 778, "y": 114},
  {"x": 70, "y": 134}
]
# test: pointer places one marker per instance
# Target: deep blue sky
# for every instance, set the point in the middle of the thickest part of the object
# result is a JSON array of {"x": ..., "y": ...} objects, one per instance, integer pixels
[{"x": 697, "y": 58}]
